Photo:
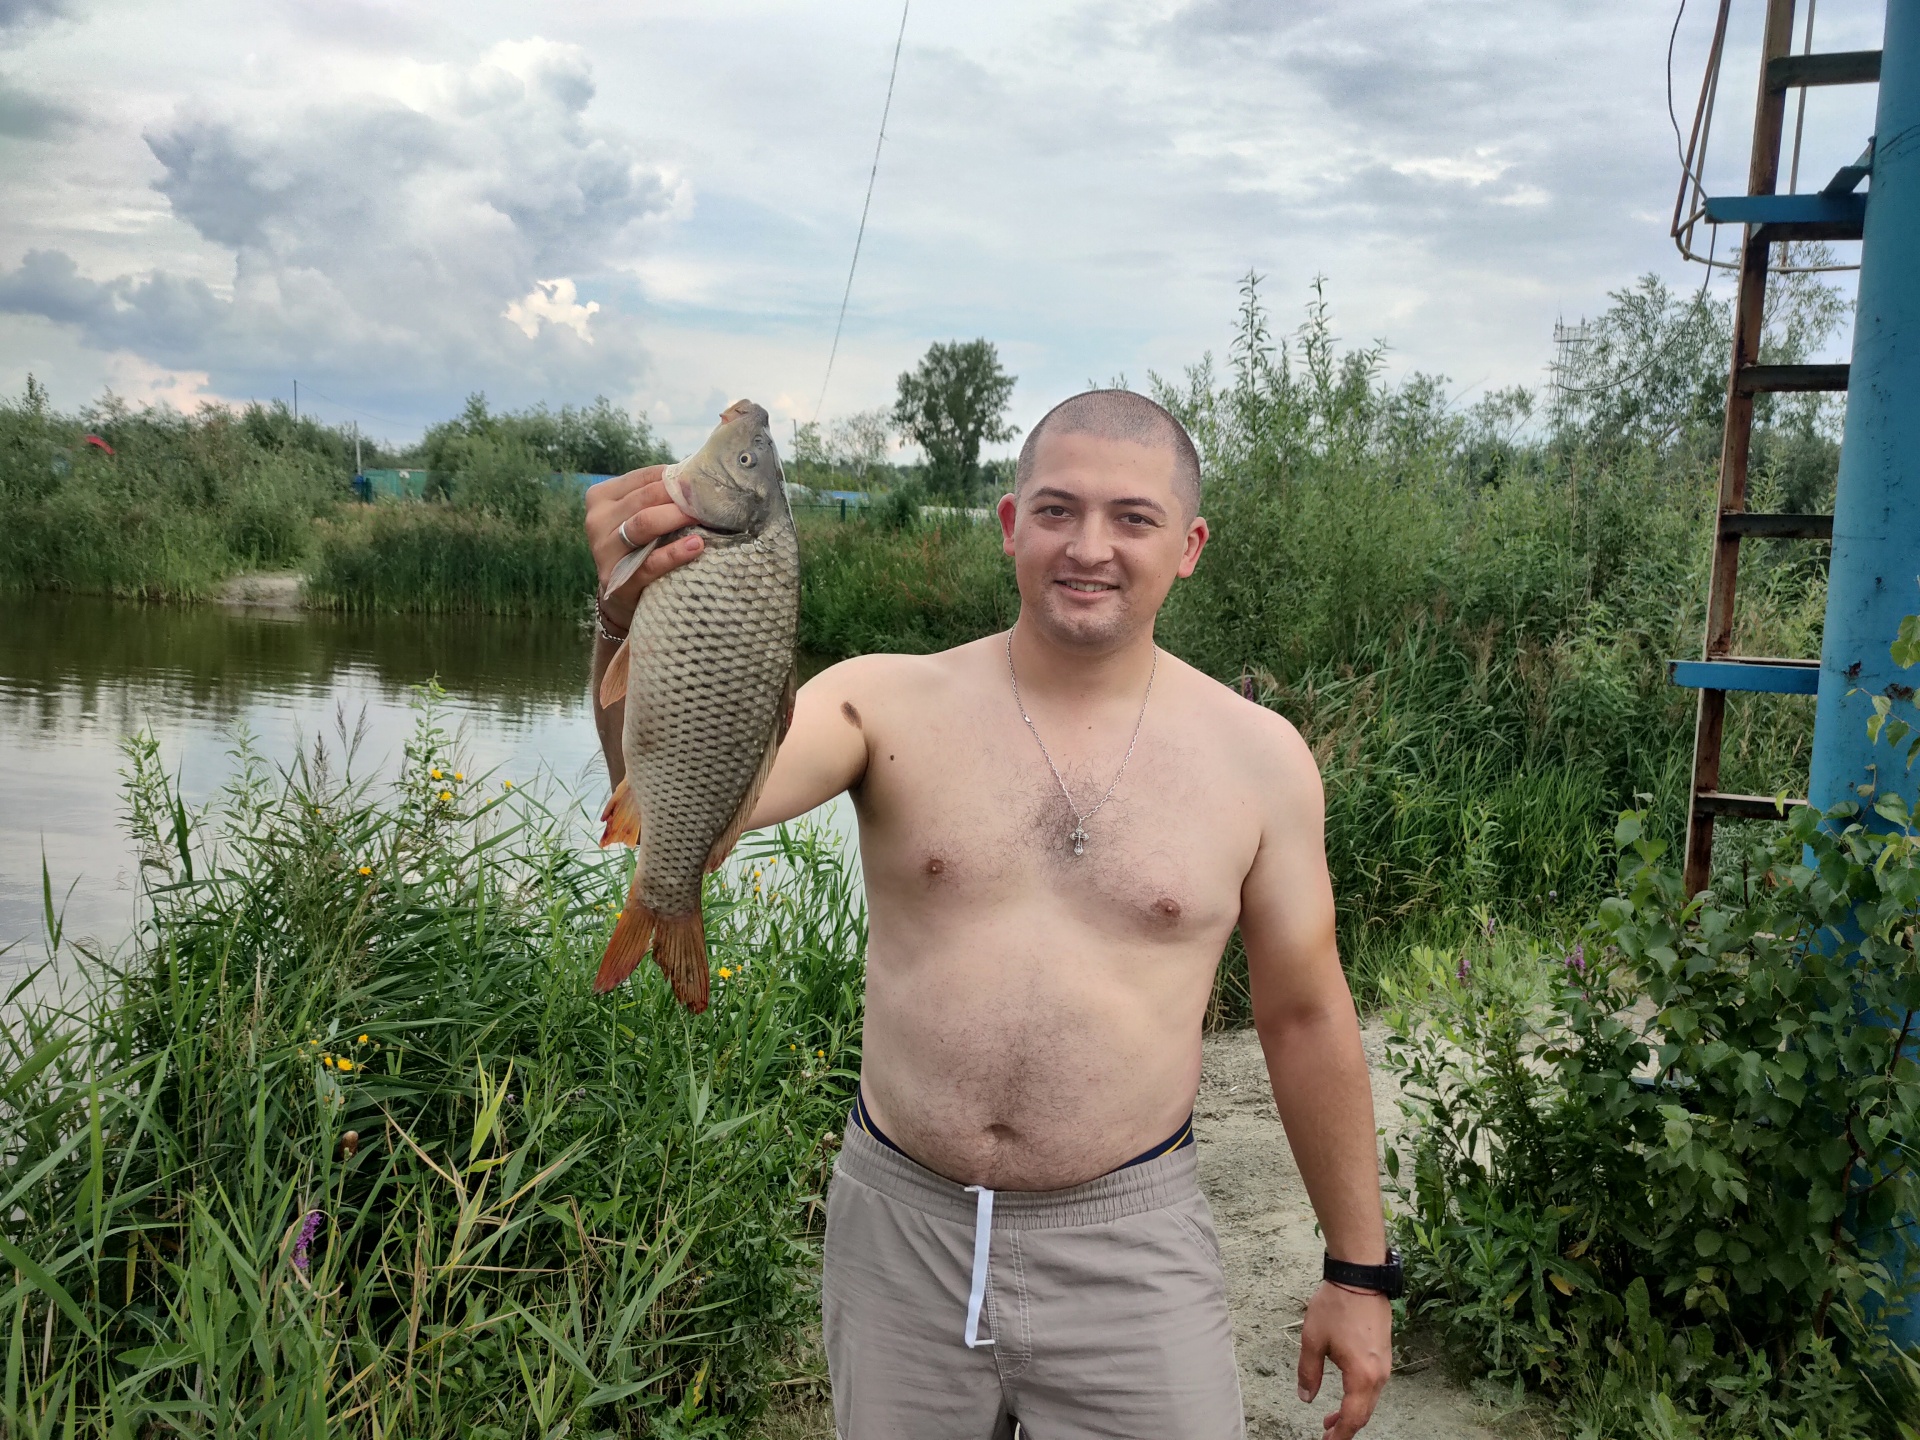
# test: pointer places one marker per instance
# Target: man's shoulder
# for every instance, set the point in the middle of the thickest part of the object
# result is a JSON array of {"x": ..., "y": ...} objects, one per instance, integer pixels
[
  {"x": 899, "y": 676},
  {"x": 1262, "y": 740}
]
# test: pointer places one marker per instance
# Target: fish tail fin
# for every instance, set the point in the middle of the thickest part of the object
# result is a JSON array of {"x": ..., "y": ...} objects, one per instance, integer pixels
[
  {"x": 622, "y": 817},
  {"x": 613, "y": 684},
  {"x": 680, "y": 950},
  {"x": 627, "y": 946}
]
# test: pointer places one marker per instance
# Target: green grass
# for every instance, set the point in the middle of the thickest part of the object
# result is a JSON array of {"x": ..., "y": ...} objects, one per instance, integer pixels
[
  {"x": 561, "y": 1211},
  {"x": 440, "y": 559}
]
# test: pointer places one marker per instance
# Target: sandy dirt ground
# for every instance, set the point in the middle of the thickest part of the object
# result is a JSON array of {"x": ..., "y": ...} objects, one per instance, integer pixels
[
  {"x": 262, "y": 592},
  {"x": 1272, "y": 1258}
]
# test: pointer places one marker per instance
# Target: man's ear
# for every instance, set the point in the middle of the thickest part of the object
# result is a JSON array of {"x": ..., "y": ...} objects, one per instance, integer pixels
[
  {"x": 1196, "y": 542},
  {"x": 1007, "y": 509}
]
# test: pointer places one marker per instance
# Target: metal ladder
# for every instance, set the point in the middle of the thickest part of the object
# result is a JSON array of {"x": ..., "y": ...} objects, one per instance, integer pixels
[{"x": 1836, "y": 212}]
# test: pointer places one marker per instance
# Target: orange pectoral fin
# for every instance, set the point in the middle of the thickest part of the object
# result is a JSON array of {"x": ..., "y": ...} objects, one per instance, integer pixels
[
  {"x": 613, "y": 684},
  {"x": 622, "y": 817},
  {"x": 680, "y": 950}
]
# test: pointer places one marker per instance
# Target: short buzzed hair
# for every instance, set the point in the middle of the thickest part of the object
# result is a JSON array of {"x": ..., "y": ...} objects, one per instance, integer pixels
[{"x": 1123, "y": 415}]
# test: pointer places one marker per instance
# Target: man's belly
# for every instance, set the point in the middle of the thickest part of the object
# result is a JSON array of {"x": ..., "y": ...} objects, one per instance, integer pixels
[{"x": 993, "y": 1061}]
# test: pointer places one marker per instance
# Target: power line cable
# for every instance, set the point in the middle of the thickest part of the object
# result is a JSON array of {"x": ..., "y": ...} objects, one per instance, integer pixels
[
  {"x": 362, "y": 414},
  {"x": 865, "y": 205}
]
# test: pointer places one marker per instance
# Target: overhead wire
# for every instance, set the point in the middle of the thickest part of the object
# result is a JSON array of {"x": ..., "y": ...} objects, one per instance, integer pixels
[{"x": 865, "y": 205}]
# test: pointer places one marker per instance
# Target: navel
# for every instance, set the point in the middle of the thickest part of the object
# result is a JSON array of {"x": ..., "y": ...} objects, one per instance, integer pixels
[{"x": 853, "y": 716}]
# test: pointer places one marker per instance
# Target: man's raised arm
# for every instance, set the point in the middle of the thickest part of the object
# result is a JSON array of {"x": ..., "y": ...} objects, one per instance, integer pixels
[
  {"x": 1310, "y": 1034},
  {"x": 821, "y": 755}
]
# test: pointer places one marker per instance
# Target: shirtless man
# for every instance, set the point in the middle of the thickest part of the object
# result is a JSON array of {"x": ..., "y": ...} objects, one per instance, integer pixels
[{"x": 1014, "y": 1229}]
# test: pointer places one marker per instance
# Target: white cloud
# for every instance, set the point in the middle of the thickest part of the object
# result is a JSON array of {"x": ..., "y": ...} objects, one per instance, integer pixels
[{"x": 552, "y": 302}]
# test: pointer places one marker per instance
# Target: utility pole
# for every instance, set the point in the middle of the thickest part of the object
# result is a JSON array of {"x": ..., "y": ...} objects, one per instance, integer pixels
[{"x": 1876, "y": 507}]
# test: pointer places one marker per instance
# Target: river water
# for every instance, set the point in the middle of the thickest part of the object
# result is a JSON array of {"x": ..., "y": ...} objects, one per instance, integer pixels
[{"x": 78, "y": 675}]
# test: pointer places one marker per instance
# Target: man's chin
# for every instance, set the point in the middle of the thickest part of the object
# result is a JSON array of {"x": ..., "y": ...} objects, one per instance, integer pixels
[{"x": 1086, "y": 626}]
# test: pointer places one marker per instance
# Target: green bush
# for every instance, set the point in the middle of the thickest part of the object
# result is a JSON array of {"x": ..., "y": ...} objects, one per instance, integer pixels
[
  {"x": 881, "y": 584},
  {"x": 182, "y": 503},
  {"x": 556, "y": 1211},
  {"x": 1652, "y": 1176}
]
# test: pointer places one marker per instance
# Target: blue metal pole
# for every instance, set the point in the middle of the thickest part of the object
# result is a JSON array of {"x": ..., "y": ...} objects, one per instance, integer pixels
[{"x": 1876, "y": 512}]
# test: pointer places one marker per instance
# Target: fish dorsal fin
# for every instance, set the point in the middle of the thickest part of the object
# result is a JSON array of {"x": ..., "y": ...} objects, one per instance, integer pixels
[{"x": 613, "y": 684}]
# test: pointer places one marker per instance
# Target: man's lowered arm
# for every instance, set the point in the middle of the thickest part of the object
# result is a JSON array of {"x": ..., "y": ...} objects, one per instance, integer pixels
[{"x": 1310, "y": 1033}]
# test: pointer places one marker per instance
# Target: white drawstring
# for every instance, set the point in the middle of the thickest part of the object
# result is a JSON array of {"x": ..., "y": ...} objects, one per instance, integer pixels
[{"x": 982, "y": 1244}]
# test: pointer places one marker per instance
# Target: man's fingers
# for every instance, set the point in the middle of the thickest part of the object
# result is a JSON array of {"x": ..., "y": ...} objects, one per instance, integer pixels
[
  {"x": 1313, "y": 1361},
  {"x": 667, "y": 557},
  {"x": 621, "y": 486},
  {"x": 1356, "y": 1408}
]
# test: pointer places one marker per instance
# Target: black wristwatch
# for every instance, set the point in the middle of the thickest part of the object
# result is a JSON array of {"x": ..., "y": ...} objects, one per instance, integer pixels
[{"x": 1389, "y": 1279}]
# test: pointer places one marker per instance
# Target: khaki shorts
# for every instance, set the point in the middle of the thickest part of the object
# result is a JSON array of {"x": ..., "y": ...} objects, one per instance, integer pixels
[{"x": 1098, "y": 1311}]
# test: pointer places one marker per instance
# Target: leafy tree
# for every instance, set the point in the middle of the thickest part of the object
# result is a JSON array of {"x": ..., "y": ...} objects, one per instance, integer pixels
[
  {"x": 596, "y": 439},
  {"x": 951, "y": 404}
]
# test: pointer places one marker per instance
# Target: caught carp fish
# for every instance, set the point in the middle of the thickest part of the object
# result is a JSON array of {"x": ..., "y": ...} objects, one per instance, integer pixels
[{"x": 707, "y": 672}]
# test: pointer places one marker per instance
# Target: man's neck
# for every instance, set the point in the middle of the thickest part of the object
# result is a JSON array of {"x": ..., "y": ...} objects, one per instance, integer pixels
[{"x": 1077, "y": 674}]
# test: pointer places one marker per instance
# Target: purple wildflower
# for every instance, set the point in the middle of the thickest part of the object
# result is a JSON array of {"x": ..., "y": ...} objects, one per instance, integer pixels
[
  {"x": 302, "y": 1246},
  {"x": 1577, "y": 961},
  {"x": 1490, "y": 924},
  {"x": 1465, "y": 970}
]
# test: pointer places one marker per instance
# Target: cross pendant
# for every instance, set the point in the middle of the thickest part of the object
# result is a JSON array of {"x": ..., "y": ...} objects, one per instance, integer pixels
[{"x": 1079, "y": 839}]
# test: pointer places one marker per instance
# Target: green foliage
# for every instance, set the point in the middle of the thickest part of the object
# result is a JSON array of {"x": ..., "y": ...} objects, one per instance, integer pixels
[
  {"x": 950, "y": 404},
  {"x": 596, "y": 439},
  {"x": 875, "y": 583},
  {"x": 1652, "y": 1176},
  {"x": 182, "y": 502},
  {"x": 347, "y": 1146},
  {"x": 452, "y": 559}
]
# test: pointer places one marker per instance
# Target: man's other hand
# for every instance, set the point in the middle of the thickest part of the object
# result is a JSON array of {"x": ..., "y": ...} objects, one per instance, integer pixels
[
  {"x": 1355, "y": 1330},
  {"x": 639, "y": 501}
]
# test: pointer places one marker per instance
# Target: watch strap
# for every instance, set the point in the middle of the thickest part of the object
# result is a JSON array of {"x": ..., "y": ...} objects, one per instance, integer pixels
[{"x": 1389, "y": 1279}]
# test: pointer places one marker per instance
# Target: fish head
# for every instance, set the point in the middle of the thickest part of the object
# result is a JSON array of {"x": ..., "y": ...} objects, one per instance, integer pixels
[{"x": 734, "y": 484}]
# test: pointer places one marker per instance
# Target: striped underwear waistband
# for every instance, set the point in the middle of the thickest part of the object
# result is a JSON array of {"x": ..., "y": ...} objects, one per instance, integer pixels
[{"x": 1181, "y": 1138}]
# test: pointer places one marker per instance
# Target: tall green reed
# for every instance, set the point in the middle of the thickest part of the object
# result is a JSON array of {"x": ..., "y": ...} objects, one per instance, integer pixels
[{"x": 345, "y": 1145}]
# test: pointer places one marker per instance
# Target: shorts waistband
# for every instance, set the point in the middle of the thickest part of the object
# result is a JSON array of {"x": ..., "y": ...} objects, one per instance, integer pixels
[
  {"x": 1179, "y": 1140},
  {"x": 1134, "y": 1189}
]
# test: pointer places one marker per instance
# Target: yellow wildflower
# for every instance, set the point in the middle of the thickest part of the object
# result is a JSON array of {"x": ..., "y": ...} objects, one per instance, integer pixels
[
  {"x": 459, "y": 774},
  {"x": 435, "y": 772},
  {"x": 366, "y": 869},
  {"x": 820, "y": 1054},
  {"x": 445, "y": 795},
  {"x": 327, "y": 1060},
  {"x": 346, "y": 1064},
  {"x": 506, "y": 784},
  {"x": 725, "y": 973},
  {"x": 363, "y": 1039}
]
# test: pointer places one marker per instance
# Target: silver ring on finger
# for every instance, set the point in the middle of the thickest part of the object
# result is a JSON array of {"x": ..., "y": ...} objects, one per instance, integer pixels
[{"x": 626, "y": 538}]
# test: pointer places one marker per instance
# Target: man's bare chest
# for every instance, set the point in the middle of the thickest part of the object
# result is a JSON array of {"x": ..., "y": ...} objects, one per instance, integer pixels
[{"x": 972, "y": 814}]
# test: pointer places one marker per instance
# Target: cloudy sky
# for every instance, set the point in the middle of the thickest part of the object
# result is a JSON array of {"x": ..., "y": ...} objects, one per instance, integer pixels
[{"x": 655, "y": 200}]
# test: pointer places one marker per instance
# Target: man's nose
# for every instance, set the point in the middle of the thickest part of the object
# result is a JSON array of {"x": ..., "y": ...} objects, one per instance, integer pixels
[{"x": 1090, "y": 544}]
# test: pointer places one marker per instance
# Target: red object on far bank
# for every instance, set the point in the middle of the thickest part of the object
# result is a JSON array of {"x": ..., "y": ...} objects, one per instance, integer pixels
[{"x": 97, "y": 441}]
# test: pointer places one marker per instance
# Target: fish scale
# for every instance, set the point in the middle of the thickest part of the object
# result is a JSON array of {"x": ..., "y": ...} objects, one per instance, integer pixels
[{"x": 712, "y": 655}]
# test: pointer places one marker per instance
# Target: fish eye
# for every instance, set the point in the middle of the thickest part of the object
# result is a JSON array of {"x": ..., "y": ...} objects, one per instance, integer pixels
[{"x": 746, "y": 459}]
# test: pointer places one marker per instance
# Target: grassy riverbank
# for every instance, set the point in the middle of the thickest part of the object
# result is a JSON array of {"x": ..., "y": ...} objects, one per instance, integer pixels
[{"x": 554, "y": 1210}]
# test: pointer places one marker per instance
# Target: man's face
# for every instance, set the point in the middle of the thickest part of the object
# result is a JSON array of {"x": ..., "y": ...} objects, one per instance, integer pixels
[{"x": 1098, "y": 535}]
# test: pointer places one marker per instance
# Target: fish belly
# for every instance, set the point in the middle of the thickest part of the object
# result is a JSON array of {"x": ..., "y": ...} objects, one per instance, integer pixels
[{"x": 710, "y": 655}]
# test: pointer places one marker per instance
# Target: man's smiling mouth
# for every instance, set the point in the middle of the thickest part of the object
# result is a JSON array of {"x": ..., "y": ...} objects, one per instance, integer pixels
[{"x": 1087, "y": 587}]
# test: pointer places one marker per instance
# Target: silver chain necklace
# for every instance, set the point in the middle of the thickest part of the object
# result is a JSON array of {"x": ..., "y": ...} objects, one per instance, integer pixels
[{"x": 1077, "y": 837}]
